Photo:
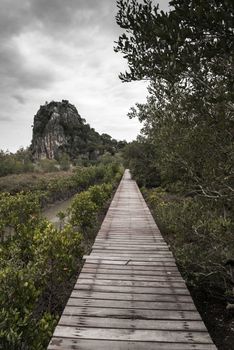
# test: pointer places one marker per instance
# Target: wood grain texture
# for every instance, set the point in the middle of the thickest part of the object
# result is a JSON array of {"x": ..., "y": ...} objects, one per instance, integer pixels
[{"x": 130, "y": 294}]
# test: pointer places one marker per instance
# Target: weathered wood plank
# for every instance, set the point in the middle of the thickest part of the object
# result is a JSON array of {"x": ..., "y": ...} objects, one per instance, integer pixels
[
  {"x": 109, "y": 282},
  {"x": 129, "y": 262},
  {"x": 79, "y": 293},
  {"x": 122, "y": 323},
  {"x": 131, "y": 259},
  {"x": 129, "y": 277},
  {"x": 123, "y": 304},
  {"x": 133, "y": 335},
  {"x": 132, "y": 256},
  {"x": 130, "y": 313},
  {"x": 58, "y": 343},
  {"x": 135, "y": 269},
  {"x": 130, "y": 272},
  {"x": 132, "y": 289}
]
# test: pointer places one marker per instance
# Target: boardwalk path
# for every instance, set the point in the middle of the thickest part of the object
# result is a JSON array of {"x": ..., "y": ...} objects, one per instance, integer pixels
[{"x": 130, "y": 294}]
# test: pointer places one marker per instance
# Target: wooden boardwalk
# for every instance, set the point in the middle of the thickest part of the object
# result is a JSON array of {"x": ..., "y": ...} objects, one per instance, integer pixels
[{"x": 130, "y": 294}]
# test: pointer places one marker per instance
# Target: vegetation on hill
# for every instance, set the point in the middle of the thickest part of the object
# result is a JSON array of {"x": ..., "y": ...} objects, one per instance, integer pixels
[
  {"x": 21, "y": 162},
  {"x": 186, "y": 144}
]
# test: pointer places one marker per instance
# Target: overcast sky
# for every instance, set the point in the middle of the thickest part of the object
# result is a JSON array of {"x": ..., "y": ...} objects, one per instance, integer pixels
[{"x": 63, "y": 49}]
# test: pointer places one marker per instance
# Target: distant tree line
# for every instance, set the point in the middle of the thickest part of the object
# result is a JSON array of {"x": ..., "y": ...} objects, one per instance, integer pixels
[{"x": 21, "y": 161}]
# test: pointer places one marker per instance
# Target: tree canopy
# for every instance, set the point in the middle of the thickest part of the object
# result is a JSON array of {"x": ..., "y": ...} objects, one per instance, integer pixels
[
  {"x": 186, "y": 144},
  {"x": 187, "y": 57}
]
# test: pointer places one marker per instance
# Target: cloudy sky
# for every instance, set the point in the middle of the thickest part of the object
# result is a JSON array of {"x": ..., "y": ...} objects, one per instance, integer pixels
[{"x": 63, "y": 49}]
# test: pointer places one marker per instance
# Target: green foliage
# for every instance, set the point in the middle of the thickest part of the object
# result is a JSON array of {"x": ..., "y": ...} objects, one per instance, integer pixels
[
  {"x": 141, "y": 158},
  {"x": 86, "y": 205},
  {"x": 187, "y": 136},
  {"x": 38, "y": 263},
  {"x": 194, "y": 38},
  {"x": 100, "y": 194},
  {"x": 100, "y": 149},
  {"x": 60, "y": 185},
  {"x": 35, "y": 268},
  {"x": 16, "y": 212},
  {"x": 186, "y": 55},
  {"x": 17, "y": 163},
  {"x": 64, "y": 161},
  {"x": 47, "y": 165},
  {"x": 199, "y": 235},
  {"x": 83, "y": 211}
]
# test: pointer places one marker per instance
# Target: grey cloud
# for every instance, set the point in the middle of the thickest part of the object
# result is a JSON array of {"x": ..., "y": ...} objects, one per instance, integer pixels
[
  {"x": 14, "y": 71},
  {"x": 5, "y": 118},
  {"x": 19, "y": 98},
  {"x": 35, "y": 79},
  {"x": 14, "y": 17},
  {"x": 59, "y": 17},
  {"x": 67, "y": 21}
]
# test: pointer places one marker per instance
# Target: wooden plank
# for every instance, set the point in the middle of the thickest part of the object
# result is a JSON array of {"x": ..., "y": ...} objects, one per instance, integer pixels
[
  {"x": 129, "y": 244},
  {"x": 108, "y": 282},
  {"x": 133, "y": 256},
  {"x": 123, "y": 323},
  {"x": 130, "y": 258},
  {"x": 132, "y": 335},
  {"x": 130, "y": 313},
  {"x": 79, "y": 293},
  {"x": 129, "y": 277},
  {"x": 130, "y": 262},
  {"x": 123, "y": 304},
  {"x": 136, "y": 253},
  {"x": 136, "y": 250},
  {"x": 132, "y": 289},
  {"x": 58, "y": 343},
  {"x": 126, "y": 267},
  {"x": 129, "y": 271}
]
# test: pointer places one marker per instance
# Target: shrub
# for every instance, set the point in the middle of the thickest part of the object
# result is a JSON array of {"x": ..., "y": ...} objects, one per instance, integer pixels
[
  {"x": 83, "y": 211},
  {"x": 33, "y": 282},
  {"x": 100, "y": 193},
  {"x": 18, "y": 210},
  {"x": 199, "y": 235}
]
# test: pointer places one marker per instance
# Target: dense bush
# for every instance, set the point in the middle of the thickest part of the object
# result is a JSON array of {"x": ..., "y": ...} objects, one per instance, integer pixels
[
  {"x": 141, "y": 157},
  {"x": 35, "y": 267},
  {"x": 21, "y": 210},
  {"x": 29, "y": 182},
  {"x": 199, "y": 235},
  {"x": 19, "y": 162},
  {"x": 22, "y": 162},
  {"x": 87, "y": 204},
  {"x": 39, "y": 263},
  {"x": 60, "y": 185},
  {"x": 83, "y": 211}
]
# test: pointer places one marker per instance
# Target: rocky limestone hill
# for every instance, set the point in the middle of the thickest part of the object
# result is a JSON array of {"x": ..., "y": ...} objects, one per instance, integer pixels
[{"x": 58, "y": 128}]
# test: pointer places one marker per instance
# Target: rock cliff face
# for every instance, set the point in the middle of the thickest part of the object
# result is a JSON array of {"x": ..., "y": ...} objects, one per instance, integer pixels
[{"x": 58, "y": 128}]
